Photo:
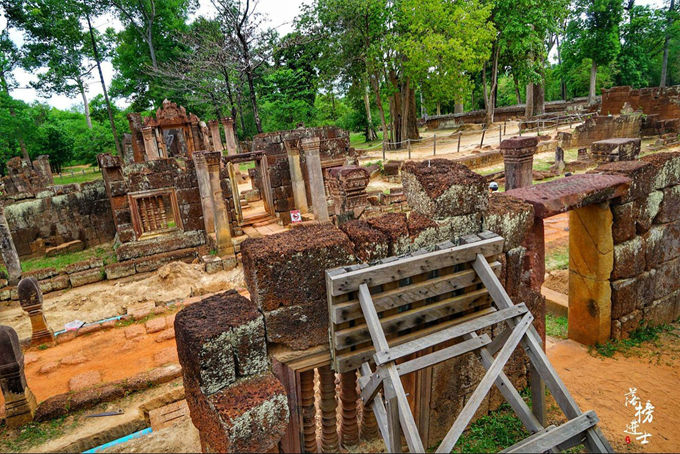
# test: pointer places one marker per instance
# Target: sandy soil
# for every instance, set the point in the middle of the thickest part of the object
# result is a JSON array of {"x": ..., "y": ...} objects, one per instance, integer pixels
[
  {"x": 557, "y": 280},
  {"x": 556, "y": 230},
  {"x": 181, "y": 437},
  {"x": 94, "y": 302},
  {"x": 600, "y": 384}
]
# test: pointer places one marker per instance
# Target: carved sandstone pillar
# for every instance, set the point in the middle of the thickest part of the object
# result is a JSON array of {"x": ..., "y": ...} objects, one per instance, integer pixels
[
  {"x": 348, "y": 399},
  {"x": 206, "y": 143},
  {"x": 203, "y": 178},
  {"x": 215, "y": 134},
  {"x": 318, "y": 191},
  {"x": 19, "y": 401},
  {"x": 297, "y": 179},
  {"x": 150, "y": 144},
  {"x": 225, "y": 247},
  {"x": 518, "y": 157},
  {"x": 329, "y": 422},
  {"x": 7, "y": 249},
  {"x": 31, "y": 300},
  {"x": 230, "y": 136}
]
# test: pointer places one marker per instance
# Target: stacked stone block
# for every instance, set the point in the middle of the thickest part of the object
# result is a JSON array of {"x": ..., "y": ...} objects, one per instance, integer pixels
[
  {"x": 646, "y": 231},
  {"x": 661, "y": 102},
  {"x": 602, "y": 128},
  {"x": 285, "y": 275},
  {"x": 612, "y": 150},
  {"x": 234, "y": 401}
]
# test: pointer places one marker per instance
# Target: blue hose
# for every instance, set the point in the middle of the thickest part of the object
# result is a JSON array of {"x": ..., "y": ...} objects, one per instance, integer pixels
[{"x": 139, "y": 434}]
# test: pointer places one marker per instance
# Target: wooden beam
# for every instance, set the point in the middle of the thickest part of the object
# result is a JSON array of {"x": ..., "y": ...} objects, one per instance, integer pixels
[
  {"x": 548, "y": 439},
  {"x": 411, "y": 266},
  {"x": 356, "y": 335},
  {"x": 445, "y": 354},
  {"x": 351, "y": 310},
  {"x": 444, "y": 335}
]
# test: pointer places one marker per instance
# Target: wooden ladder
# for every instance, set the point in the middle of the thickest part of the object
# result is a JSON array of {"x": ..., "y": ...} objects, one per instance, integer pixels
[{"x": 382, "y": 388}]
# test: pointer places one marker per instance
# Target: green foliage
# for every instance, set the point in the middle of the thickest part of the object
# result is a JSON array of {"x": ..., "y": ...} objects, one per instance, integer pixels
[
  {"x": 556, "y": 326},
  {"x": 643, "y": 38},
  {"x": 59, "y": 262},
  {"x": 640, "y": 336},
  {"x": 493, "y": 432},
  {"x": 286, "y": 101},
  {"x": 557, "y": 259},
  {"x": 594, "y": 31},
  {"x": 32, "y": 435}
]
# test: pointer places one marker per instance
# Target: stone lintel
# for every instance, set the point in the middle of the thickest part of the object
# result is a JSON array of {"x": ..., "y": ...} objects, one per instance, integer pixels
[{"x": 564, "y": 194}]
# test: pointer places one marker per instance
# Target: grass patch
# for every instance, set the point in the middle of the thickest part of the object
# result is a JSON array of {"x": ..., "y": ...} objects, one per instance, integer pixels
[
  {"x": 245, "y": 166},
  {"x": 358, "y": 140},
  {"x": 638, "y": 337},
  {"x": 66, "y": 178},
  {"x": 557, "y": 259},
  {"x": 59, "y": 262},
  {"x": 32, "y": 435},
  {"x": 556, "y": 326},
  {"x": 493, "y": 432}
]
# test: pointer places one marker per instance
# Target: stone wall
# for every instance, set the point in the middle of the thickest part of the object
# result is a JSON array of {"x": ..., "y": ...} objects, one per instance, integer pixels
[
  {"x": 61, "y": 214},
  {"x": 24, "y": 179},
  {"x": 334, "y": 141},
  {"x": 664, "y": 103},
  {"x": 601, "y": 128},
  {"x": 646, "y": 230}
]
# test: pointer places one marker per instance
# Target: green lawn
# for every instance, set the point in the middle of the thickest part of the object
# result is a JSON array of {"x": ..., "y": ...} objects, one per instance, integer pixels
[
  {"x": 556, "y": 326},
  {"x": 77, "y": 177},
  {"x": 245, "y": 166},
  {"x": 358, "y": 140},
  {"x": 104, "y": 252},
  {"x": 557, "y": 259}
]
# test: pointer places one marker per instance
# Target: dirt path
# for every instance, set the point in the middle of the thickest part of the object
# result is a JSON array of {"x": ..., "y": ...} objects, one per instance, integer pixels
[
  {"x": 600, "y": 384},
  {"x": 94, "y": 302}
]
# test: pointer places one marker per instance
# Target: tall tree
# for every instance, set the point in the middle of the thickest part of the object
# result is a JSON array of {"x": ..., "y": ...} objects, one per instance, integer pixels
[
  {"x": 672, "y": 17},
  {"x": 10, "y": 59},
  {"x": 642, "y": 36},
  {"x": 593, "y": 33},
  {"x": 54, "y": 39}
]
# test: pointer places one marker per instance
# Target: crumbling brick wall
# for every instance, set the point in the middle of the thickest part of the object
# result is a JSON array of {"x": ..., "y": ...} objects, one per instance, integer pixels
[
  {"x": 59, "y": 215},
  {"x": 601, "y": 128},
  {"x": 646, "y": 231},
  {"x": 24, "y": 180},
  {"x": 661, "y": 102}
]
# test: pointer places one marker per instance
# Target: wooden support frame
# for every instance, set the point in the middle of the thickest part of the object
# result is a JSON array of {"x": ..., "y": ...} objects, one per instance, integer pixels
[{"x": 422, "y": 292}]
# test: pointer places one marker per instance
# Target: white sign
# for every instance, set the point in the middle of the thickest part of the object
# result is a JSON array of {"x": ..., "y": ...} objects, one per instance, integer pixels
[{"x": 295, "y": 216}]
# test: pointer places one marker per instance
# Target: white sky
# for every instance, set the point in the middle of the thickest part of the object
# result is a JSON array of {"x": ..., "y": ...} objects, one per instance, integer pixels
[{"x": 281, "y": 14}]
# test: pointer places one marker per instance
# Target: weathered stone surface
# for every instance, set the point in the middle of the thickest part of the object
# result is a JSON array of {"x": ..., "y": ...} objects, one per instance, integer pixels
[
  {"x": 119, "y": 270},
  {"x": 94, "y": 262},
  {"x": 213, "y": 264},
  {"x": 440, "y": 188},
  {"x": 623, "y": 228},
  {"x": 669, "y": 211},
  {"x": 86, "y": 277},
  {"x": 65, "y": 248},
  {"x": 591, "y": 246},
  {"x": 620, "y": 149},
  {"x": 298, "y": 327},
  {"x": 646, "y": 210},
  {"x": 155, "y": 325},
  {"x": 153, "y": 262},
  {"x": 662, "y": 311},
  {"x": 510, "y": 218},
  {"x": 369, "y": 244},
  {"x": 641, "y": 174},
  {"x": 220, "y": 339},
  {"x": 249, "y": 416},
  {"x": 589, "y": 310},
  {"x": 629, "y": 258},
  {"x": 624, "y": 297},
  {"x": 19, "y": 400},
  {"x": 667, "y": 278},
  {"x": 288, "y": 269},
  {"x": 84, "y": 380},
  {"x": 41, "y": 274},
  {"x": 564, "y": 194},
  {"x": 163, "y": 244},
  {"x": 662, "y": 243},
  {"x": 667, "y": 167}
]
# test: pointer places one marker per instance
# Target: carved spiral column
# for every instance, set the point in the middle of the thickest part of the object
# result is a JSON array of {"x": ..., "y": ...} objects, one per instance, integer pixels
[
  {"x": 369, "y": 425},
  {"x": 308, "y": 411},
  {"x": 329, "y": 431},
  {"x": 348, "y": 398}
]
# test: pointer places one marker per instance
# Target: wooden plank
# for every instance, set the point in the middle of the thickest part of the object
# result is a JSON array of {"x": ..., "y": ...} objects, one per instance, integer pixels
[
  {"x": 449, "y": 333},
  {"x": 378, "y": 407},
  {"x": 533, "y": 346},
  {"x": 510, "y": 393},
  {"x": 355, "y": 335},
  {"x": 392, "y": 382},
  {"x": 393, "y": 422},
  {"x": 485, "y": 384},
  {"x": 499, "y": 341},
  {"x": 537, "y": 387},
  {"x": 350, "y": 360},
  {"x": 442, "y": 355},
  {"x": 351, "y": 310},
  {"x": 292, "y": 440},
  {"x": 370, "y": 387},
  {"x": 548, "y": 439},
  {"x": 411, "y": 266},
  {"x": 529, "y": 438}
]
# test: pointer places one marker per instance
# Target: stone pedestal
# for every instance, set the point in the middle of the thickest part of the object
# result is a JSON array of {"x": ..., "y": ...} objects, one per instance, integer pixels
[
  {"x": 518, "y": 157},
  {"x": 297, "y": 180},
  {"x": 591, "y": 260},
  {"x": 203, "y": 178},
  {"x": 20, "y": 403},
  {"x": 42, "y": 166},
  {"x": 31, "y": 300},
  {"x": 215, "y": 134},
  {"x": 316, "y": 185},
  {"x": 230, "y": 136},
  {"x": 347, "y": 187}
]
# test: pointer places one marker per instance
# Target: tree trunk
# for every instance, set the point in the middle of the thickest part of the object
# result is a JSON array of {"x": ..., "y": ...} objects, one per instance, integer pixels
[
  {"x": 106, "y": 95},
  {"x": 529, "y": 108},
  {"x": 666, "y": 46},
  {"x": 8, "y": 251},
  {"x": 439, "y": 108},
  {"x": 563, "y": 84},
  {"x": 539, "y": 99},
  {"x": 152, "y": 51},
  {"x": 230, "y": 94},
  {"x": 370, "y": 131},
  {"x": 593, "y": 84},
  {"x": 86, "y": 105},
  {"x": 378, "y": 101},
  {"x": 518, "y": 95},
  {"x": 239, "y": 102},
  {"x": 490, "y": 95},
  {"x": 253, "y": 101}
]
